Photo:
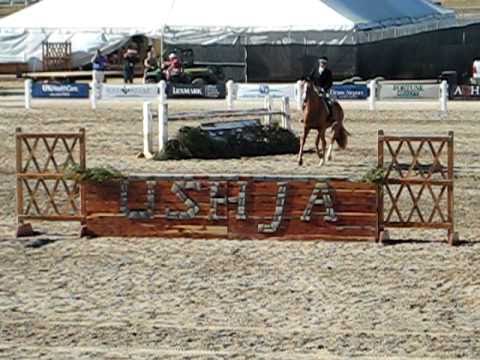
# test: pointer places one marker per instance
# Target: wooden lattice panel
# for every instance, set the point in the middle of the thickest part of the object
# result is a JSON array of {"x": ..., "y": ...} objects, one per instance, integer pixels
[
  {"x": 418, "y": 181},
  {"x": 42, "y": 191},
  {"x": 50, "y": 199},
  {"x": 57, "y": 56}
]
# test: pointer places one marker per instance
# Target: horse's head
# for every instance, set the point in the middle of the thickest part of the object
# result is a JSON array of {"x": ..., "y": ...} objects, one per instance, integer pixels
[
  {"x": 311, "y": 93},
  {"x": 309, "y": 88}
]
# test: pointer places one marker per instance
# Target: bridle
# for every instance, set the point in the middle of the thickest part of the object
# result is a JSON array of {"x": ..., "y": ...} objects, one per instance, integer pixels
[{"x": 311, "y": 87}]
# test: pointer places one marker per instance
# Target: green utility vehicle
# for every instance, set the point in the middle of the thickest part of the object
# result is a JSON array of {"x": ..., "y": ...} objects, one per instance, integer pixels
[{"x": 194, "y": 73}]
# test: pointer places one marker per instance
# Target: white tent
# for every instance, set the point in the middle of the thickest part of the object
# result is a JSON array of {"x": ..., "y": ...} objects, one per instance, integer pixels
[{"x": 90, "y": 24}]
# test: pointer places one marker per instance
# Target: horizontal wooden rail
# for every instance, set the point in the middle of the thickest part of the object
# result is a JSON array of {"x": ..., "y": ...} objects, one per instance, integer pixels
[
  {"x": 49, "y": 136},
  {"x": 440, "y": 225},
  {"x": 51, "y": 217},
  {"x": 417, "y": 181},
  {"x": 44, "y": 176},
  {"x": 414, "y": 138},
  {"x": 193, "y": 116}
]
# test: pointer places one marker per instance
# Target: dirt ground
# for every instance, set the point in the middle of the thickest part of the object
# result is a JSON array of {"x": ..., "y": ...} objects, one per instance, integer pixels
[{"x": 151, "y": 298}]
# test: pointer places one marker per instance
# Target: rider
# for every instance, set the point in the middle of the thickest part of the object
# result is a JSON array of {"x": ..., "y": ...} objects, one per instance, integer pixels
[
  {"x": 172, "y": 67},
  {"x": 322, "y": 78}
]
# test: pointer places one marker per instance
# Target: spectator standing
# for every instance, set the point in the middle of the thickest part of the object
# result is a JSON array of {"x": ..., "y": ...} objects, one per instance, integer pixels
[
  {"x": 476, "y": 71},
  {"x": 129, "y": 60},
  {"x": 150, "y": 63},
  {"x": 99, "y": 64}
]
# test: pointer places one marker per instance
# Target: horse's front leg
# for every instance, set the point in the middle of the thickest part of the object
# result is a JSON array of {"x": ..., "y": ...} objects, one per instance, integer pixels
[
  {"x": 302, "y": 144},
  {"x": 323, "y": 161}
]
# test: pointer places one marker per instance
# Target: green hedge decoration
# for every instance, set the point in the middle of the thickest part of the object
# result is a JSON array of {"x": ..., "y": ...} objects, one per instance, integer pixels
[{"x": 193, "y": 142}]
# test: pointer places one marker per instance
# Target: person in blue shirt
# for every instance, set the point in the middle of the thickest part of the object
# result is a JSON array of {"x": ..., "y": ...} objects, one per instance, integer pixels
[{"x": 99, "y": 64}]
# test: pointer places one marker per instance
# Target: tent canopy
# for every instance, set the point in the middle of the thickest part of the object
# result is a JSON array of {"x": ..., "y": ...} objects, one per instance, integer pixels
[
  {"x": 115, "y": 16},
  {"x": 90, "y": 24}
]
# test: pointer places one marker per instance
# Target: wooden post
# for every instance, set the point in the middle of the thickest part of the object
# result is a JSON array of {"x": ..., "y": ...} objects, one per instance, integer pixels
[
  {"x": 380, "y": 198},
  {"x": 230, "y": 94},
  {"x": 18, "y": 142},
  {"x": 286, "y": 113},
  {"x": 28, "y": 94},
  {"x": 450, "y": 207},
  {"x": 147, "y": 131},
  {"x": 372, "y": 99},
  {"x": 83, "y": 166},
  {"x": 83, "y": 153},
  {"x": 267, "y": 104},
  {"x": 22, "y": 228},
  {"x": 162, "y": 126}
]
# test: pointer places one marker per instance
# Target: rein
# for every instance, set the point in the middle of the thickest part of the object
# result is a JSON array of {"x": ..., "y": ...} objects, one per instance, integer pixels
[{"x": 317, "y": 91}]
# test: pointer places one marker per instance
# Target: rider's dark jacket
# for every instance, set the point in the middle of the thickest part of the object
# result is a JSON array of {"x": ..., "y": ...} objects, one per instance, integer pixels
[{"x": 323, "y": 80}]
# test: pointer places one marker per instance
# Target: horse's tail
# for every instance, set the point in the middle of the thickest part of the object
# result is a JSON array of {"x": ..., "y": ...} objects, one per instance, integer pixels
[{"x": 340, "y": 134}]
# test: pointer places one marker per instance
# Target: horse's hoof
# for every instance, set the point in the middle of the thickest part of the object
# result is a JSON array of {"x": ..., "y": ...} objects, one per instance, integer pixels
[
  {"x": 300, "y": 162},
  {"x": 321, "y": 163}
]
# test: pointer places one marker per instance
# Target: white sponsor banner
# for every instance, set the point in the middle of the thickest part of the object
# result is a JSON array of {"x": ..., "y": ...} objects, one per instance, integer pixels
[
  {"x": 409, "y": 91},
  {"x": 256, "y": 91},
  {"x": 129, "y": 91}
]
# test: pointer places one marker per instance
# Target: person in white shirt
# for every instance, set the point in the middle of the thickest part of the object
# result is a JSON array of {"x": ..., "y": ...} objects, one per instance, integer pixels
[{"x": 476, "y": 71}]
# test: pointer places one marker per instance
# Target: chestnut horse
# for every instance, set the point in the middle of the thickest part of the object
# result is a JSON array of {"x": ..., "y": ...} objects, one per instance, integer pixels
[{"x": 316, "y": 116}]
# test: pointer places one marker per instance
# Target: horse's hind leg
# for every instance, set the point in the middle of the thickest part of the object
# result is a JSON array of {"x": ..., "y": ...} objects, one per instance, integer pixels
[
  {"x": 317, "y": 141},
  {"x": 302, "y": 144},
  {"x": 332, "y": 140},
  {"x": 330, "y": 152}
]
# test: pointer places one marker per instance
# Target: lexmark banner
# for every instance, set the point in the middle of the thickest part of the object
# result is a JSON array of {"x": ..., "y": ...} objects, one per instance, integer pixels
[
  {"x": 129, "y": 91},
  {"x": 409, "y": 91},
  {"x": 255, "y": 91},
  {"x": 61, "y": 91},
  {"x": 191, "y": 91}
]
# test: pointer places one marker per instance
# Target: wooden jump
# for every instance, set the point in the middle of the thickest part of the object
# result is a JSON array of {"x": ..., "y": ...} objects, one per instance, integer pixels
[
  {"x": 229, "y": 207},
  {"x": 416, "y": 194},
  {"x": 164, "y": 117}
]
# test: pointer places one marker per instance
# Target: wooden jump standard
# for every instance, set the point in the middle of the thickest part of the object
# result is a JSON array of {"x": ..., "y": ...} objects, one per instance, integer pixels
[{"x": 413, "y": 194}]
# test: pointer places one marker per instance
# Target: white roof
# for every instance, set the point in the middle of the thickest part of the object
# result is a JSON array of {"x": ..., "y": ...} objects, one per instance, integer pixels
[
  {"x": 120, "y": 16},
  {"x": 92, "y": 23},
  {"x": 152, "y": 15}
]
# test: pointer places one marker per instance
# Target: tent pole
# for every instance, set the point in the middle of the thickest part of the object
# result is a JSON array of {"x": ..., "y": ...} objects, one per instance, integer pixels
[
  {"x": 245, "y": 59},
  {"x": 161, "y": 49}
]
